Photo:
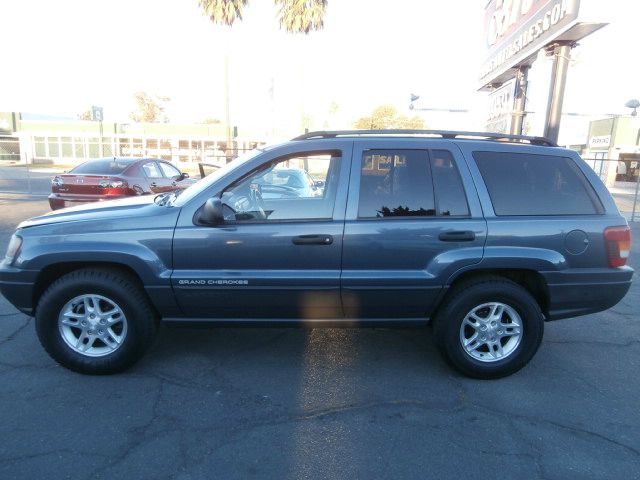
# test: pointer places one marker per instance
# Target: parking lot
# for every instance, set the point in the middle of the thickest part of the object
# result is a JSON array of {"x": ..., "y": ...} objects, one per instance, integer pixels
[{"x": 327, "y": 403}]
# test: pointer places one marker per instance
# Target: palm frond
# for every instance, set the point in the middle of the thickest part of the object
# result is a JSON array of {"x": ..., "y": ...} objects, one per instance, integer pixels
[
  {"x": 223, "y": 12},
  {"x": 301, "y": 16}
]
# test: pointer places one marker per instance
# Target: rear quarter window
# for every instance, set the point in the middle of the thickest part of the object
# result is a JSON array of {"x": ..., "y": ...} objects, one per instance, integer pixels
[{"x": 529, "y": 184}]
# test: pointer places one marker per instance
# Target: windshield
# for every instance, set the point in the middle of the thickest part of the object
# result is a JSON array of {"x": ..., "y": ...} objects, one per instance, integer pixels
[{"x": 200, "y": 186}]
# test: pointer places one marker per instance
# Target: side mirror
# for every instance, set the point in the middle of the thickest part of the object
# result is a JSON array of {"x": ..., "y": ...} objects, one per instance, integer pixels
[
  {"x": 182, "y": 176},
  {"x": 211, "y": 212}
]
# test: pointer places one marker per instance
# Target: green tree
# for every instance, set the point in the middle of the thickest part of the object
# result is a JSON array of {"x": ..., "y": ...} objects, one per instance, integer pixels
[
  {"x": 295, "y": 16},
  {"x": 386, "y": 116},
  {"x": 149, "y": 108}
]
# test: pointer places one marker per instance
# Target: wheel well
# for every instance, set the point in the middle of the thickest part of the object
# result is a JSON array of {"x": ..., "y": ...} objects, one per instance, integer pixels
[
  {"x": 530, "y": 280},
  {"x": 51, "y": 273}
]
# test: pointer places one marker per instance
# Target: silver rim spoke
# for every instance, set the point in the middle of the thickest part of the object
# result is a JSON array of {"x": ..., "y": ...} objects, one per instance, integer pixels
[
  {"x": 92, "y": 325},
  {"x": 491, "y": 332}
]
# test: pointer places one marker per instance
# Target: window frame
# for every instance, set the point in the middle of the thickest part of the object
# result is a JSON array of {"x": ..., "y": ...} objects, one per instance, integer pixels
[
  {"x": 333, "y": 153},
  {"x": 428, "y": 151}
]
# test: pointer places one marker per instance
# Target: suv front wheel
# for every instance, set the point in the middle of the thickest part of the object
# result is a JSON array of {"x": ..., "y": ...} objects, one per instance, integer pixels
[
  {"x": 489, "y": 328},
  {"x": 95, "y": 321}
]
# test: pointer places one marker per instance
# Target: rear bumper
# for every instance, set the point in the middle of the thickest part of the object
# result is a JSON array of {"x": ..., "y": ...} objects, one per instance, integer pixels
[
  {"x": 17, "y": 287},
  {"x": 58, "y": 200},
  {"x": 582, "y": 291}
]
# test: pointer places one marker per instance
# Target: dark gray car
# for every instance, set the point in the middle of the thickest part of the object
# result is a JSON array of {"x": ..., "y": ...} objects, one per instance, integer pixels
[{"x": 485, "y": 236}]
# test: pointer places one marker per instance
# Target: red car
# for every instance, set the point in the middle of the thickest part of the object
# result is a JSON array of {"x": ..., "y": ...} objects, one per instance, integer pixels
[{"x": 112, "y": 178}]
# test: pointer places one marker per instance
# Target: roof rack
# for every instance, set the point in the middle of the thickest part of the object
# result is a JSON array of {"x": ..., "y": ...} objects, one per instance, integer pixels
[{"x": 448, "y": 134}]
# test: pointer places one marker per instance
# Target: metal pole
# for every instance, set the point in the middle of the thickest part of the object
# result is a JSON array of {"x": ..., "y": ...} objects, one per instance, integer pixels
[
  {"x": 101, "y": 150},
  {"x": 227, "y": 114},
  {"x": 635, "y": 198},
  {"x": 562, "y": 56},
  {"x": 519, "y": 101}
]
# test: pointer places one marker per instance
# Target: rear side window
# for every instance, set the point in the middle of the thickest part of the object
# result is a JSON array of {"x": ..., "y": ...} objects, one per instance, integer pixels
[
  {"x": 526, "y": 184},
  {"x": 450, "y": 197},
  {"x": 396, "y": 183}
]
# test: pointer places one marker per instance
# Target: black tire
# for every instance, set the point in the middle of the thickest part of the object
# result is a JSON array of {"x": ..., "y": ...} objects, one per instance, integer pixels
[
  {"x": 113, "y": 284},
  {"x": 469, "y": 295}
]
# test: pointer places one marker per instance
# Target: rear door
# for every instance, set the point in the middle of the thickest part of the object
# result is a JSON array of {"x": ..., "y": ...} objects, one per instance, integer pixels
[
  {"x": 413, "y": 218},
  {"x": 156, "y": 181}
]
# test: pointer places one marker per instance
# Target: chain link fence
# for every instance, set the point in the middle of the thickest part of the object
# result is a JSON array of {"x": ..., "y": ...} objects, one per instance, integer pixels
[{"x": 622, "y": 177}]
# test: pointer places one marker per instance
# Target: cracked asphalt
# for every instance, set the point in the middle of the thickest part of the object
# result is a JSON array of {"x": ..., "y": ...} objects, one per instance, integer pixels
[{"x": 238, "y": 403}]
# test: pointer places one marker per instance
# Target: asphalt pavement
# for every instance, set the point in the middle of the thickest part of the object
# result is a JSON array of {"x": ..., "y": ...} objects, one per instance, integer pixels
[{"x": 286, "y": 403}]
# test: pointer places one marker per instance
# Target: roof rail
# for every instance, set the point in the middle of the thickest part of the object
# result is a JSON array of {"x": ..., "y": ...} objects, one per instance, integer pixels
[{"x": 448, "y": 134}]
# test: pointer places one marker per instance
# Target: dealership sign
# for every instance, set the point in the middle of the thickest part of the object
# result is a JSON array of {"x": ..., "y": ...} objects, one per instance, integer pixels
[
  {"x": 600, "y": 141},
  {"x": 516, "y": 29},
  {"x": 501, "y": 108}
]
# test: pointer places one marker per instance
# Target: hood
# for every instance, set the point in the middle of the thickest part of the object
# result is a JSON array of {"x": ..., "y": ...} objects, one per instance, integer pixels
[{"x": 100, "y": 211}]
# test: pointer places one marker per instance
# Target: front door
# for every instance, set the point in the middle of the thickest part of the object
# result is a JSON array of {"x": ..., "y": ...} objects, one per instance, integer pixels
[
  {"x": 409, "y": 226},
  {"x": 278, "y": 253}
]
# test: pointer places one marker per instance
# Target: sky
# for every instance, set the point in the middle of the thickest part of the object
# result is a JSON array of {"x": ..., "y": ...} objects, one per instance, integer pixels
[{"x": 62, "y": 57}]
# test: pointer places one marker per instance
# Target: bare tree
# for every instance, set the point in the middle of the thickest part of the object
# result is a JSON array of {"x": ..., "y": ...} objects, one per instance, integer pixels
[{"x": 149, "y": 108}]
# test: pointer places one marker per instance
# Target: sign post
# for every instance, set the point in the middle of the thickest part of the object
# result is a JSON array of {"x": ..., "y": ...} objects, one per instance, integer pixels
[
  {"x": 97, "y": 114},
  {"x": 561, "y": 57},
  {"x": 520, "y": 100}
]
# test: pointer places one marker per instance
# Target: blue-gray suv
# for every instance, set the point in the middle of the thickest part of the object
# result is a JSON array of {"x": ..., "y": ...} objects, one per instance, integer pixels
[{"x": 484, "y": 236}]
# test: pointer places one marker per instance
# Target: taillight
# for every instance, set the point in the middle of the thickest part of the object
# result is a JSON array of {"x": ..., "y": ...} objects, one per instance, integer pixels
[
  {"x": 112, "y": 183},
  {"x": 618, "y": 241}
]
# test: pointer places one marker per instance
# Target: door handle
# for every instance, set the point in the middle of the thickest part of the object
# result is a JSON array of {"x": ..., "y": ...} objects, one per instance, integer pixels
[
  {"x": 457, "y": 236},
  {"x": 153, "y": 184},
  {"x": 312, "y": 240}
]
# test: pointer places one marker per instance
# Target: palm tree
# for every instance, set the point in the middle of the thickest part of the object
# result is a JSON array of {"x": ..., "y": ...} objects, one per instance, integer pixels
[
  {"x": 295, "y": 16},
  {"x": 301, "y": 16}
]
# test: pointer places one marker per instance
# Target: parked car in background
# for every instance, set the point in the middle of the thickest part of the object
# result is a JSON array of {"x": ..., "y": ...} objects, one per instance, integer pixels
[
  {"x": 289, "y": 183},
  {"x": 112, "y": 178}
]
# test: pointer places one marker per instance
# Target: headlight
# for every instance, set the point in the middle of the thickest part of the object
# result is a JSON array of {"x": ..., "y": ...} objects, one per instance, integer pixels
[
  {"x": 14, "y": 246},
  {"x": 57, "y": 181}
]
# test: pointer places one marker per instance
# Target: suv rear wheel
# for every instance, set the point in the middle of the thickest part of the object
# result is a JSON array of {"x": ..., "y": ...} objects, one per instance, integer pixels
[
  {"x": 489, "y": 328},
  {"x": 95, "y": 321}
]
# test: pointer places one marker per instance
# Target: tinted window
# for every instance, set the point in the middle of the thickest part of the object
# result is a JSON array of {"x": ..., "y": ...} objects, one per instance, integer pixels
[
  {"x": 524, "y": 184},
  {"x": 151, "y": 170},
  {"x": 279, "y": 190},
  {"x": 395, "y": 183},
  {"x": 169, "y": 170},
  {"x": 450, "y": 196},
  {"x": 102, "y": 167}
]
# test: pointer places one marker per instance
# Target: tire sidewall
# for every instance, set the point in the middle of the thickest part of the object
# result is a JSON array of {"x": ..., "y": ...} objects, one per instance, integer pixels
[
  {"x": 46, "y": 321},
  {"x": 467, "y": 300}
]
